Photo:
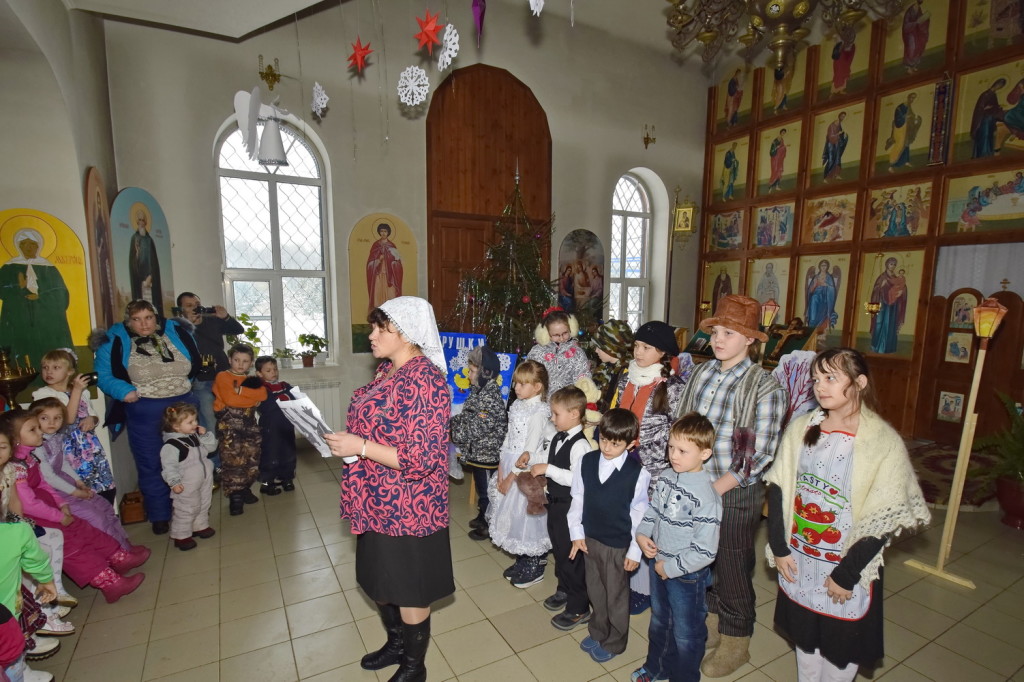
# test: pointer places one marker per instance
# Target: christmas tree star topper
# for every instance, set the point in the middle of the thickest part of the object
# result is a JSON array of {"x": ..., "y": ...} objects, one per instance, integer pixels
[
  {"x": 429, "y": 28},
  {"x": 357, "y": 60}
]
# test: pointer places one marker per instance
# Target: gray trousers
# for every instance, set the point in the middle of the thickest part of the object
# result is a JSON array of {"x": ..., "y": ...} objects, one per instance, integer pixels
[
  {"x": 192, "y": 505},
  {"x": 608, "y": 588}
]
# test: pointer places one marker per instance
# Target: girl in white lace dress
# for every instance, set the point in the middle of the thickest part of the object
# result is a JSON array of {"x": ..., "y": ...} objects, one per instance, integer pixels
[{"x": 511, "y": 528}]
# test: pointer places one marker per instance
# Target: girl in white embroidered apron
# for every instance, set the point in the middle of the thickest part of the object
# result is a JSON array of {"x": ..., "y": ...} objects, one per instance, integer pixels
[{"x": 822, "y": 520}]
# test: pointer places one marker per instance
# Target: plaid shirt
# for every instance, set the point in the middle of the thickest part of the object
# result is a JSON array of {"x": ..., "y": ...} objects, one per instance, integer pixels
[{"x": 714, "y": 398}]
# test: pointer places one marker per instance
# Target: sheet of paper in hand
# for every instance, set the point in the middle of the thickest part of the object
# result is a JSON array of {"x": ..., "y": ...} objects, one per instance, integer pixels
[{"x": 305, "y": 416}]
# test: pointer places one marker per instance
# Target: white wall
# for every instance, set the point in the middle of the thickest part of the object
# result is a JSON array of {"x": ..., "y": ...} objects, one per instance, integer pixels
[{"x": 170, "y": 92}]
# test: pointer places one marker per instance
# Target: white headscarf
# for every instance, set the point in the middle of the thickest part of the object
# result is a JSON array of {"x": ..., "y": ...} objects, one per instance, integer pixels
[
  {"x": 31, "y": 279},
  {"x": 414, "y": 318}
]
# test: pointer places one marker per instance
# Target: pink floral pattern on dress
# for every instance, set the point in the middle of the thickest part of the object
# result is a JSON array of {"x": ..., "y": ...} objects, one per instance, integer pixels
[{"x": 408, "y": 411}]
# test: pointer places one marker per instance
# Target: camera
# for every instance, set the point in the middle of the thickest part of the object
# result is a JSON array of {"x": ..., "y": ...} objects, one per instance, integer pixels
[
  {"x": 178, "y": 311},
  {"x": 93, "y": 377}
]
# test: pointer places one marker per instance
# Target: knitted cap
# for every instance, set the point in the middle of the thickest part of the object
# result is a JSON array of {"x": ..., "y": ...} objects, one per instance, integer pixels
[
  {"x": 615, "y": 338},
  {"x": 659, "y": 335}
]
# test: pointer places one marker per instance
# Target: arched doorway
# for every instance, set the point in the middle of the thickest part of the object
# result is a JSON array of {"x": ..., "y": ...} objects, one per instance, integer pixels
[{"x": 483, "y": 123}]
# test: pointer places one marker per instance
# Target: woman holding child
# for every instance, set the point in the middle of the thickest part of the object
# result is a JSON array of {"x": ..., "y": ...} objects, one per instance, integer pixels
[
  {"x": 395, "y": 490},
  {"x": 146, "y": 364}
]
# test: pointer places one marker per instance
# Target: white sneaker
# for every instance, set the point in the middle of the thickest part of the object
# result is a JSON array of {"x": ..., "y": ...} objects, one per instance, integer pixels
[
  {"x": 65, "y": 599},
  {"x": 37, "y": 675},
  {"x": 44, "y": 648},
  {"x": 63, "y": 611}
]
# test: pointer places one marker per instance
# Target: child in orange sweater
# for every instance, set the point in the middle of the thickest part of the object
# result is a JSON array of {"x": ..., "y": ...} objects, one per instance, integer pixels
[{"x": 235, "y": 398}]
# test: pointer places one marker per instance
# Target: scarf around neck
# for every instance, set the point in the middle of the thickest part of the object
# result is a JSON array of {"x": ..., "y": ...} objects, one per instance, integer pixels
[{"x": 641, "y": 376}]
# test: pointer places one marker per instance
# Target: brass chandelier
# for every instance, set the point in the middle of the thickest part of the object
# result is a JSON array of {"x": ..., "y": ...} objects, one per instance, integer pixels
[{"x": 713, "y": 23}]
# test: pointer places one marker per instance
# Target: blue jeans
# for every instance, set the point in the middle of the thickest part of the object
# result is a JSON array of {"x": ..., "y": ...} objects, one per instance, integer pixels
[
  {"x": 676, "y": 638},
  {"x": 203, "y": 392}
]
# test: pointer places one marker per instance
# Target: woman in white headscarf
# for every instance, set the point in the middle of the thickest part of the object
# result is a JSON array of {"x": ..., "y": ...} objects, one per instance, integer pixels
[
  {"x": 395, "y": 490},
  {"x": 35, "y": 299}
]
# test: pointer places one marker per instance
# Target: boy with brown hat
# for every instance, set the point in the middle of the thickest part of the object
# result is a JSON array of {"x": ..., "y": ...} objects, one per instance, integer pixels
[{"x": 746, "y": 405}]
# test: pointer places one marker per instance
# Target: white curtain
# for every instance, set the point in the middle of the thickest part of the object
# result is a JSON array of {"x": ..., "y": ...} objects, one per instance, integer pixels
[{"x": 982, "y": 267}]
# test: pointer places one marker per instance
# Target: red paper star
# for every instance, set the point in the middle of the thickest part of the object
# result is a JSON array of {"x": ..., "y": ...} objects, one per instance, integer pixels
[
  {"x": 357, "y": 60},
  {"x": 429, "y": 28}
]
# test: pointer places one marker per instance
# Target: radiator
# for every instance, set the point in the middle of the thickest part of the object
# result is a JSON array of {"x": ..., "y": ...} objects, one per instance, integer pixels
[{"x": 328, "y": 396}]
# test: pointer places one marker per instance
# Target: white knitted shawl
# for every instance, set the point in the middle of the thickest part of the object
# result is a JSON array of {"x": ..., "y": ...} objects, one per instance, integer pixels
[{"x": 885, "y": 494}]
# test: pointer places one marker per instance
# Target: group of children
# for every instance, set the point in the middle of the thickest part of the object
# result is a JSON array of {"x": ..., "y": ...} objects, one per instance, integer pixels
[
  {"x": 254, "y": 437},
  {"x": 667, "y": 504}
]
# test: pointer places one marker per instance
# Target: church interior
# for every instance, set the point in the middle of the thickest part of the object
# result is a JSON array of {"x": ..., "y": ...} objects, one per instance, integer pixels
[{"x": 860, "y": 177}]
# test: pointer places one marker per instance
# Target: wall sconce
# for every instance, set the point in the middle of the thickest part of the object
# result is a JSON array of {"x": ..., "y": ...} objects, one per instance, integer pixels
[
  {"x": 705, "y": 308},
  {"x": 271, "y": 75},
  {"x": 648, "y": 137}
]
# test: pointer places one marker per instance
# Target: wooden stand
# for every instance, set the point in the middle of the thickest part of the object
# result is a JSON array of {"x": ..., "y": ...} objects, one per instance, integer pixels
[{"x": 963, "y": 458}]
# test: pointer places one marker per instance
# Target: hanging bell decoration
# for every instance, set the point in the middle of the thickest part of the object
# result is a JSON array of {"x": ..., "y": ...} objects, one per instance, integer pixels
[{"x": 271, "y": 145}]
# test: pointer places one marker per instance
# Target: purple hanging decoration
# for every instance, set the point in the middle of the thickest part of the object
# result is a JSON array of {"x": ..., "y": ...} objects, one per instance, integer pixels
[{"x": 479, "y": 7}]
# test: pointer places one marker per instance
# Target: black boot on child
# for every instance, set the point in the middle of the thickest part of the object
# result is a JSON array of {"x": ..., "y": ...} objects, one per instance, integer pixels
[
  {"x": 235, "y": 504},
  {"x": 415, "y": 638},
  {"x": 391, "y": 652}
]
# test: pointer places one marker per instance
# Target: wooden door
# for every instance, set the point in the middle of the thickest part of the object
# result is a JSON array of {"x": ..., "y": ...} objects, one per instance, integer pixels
[{"x": 484, "y": 125}]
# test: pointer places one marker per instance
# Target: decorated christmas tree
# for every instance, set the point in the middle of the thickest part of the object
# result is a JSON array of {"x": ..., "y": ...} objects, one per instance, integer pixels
[{"x": 505, "y": 295}]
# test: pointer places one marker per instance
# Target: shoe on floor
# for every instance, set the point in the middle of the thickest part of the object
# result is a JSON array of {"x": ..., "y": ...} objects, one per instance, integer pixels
[
  {"x": 269, "y": 489},
  {"x": 55, "y": 627},
  {"x": 641, "y": 675},
  {"x": 601, "y": 655},
  {"x": 161, "y": 527},
  {"x": 205, "y": 533},
  {"x": 62, "y": 611},
  {"x": 44, "y": 648},
  {"x": 235, "y": 504},
  {"x": 531, "y": 573},
  {"x": 567, "y": 621},
  {"x": 287, "y": 485},
  {"x": 731, "y": 653},
  {"x": 479, "y": 534},
  {"x": 589, "y": 643},
  {"x": 638, "y": 603},
  {"x": 478, "y": 522},
  {"x": 37, "y": 675},
  {"x": 556, "y": 602},
  {"x": 514, "y": 569},
  {"x": 185, "y": 544},
  {"x": 65, "y": 599},
  {"x": 248, "y": 497}
]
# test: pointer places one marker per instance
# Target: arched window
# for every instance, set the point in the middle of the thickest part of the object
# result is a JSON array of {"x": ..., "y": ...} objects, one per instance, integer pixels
[
  {"x": 274, "y": 239},
  {"x": 629, "y": 277}
]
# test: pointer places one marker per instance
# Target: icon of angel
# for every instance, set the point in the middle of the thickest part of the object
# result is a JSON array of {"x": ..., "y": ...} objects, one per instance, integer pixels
[{"x": 821, "y": 285}]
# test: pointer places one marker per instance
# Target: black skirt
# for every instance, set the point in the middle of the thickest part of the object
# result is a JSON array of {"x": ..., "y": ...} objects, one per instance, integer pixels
[
  {"x": 405, "y": 570},
  {"x": 841, "y": 641}
]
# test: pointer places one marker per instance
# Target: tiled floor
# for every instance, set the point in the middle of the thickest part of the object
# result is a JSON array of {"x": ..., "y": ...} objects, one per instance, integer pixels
[{"x": 273, "y": 597}]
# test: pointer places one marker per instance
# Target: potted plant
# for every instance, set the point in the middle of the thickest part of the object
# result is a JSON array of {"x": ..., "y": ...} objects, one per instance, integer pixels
[
  {"x": 1008, "y": 471},
  {"x": 250, "y": 333},
  {"x": 314, "y": 345},
  {"x": 285, "y": 356}
]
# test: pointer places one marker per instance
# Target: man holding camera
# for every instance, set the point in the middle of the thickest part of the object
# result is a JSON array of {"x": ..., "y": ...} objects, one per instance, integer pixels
[{"x": 211, "y": 326}]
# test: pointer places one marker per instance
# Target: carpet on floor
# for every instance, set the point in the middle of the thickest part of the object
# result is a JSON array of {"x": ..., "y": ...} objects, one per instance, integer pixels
[{"x": 934, "y": 464}]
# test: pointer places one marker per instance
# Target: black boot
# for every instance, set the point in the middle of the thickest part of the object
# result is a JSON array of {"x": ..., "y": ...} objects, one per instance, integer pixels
[
  {"x": 416, "y": 638},
  {"x": 391, "y": 652},
  {"x": 235, "y": 504},
  {"x": 478, "y": 522}
]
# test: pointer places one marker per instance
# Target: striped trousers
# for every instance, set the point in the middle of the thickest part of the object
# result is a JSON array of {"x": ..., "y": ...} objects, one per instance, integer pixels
[{"x": 732, "y": 593}]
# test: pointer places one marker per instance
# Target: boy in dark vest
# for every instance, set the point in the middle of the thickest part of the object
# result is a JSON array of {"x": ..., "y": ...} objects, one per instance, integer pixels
[
  {"x": 565, "y": 444},
  {"x": 609, "y": 497}
]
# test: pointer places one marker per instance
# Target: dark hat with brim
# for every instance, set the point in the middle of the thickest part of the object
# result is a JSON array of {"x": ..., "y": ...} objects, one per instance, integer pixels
[{"x": 739, "y": 313}]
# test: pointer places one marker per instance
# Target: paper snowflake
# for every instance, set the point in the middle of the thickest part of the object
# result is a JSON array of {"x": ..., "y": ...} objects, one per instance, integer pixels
[
  {"x": 320, "y": 99},
  {"x": 413, "y": 86},
  {"x": 536, "y": 6},
  {"x": 450, "y": 48}
]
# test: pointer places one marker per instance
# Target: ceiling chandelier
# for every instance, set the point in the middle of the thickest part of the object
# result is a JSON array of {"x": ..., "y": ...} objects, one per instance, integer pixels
[{"x": 713, "y": 23}]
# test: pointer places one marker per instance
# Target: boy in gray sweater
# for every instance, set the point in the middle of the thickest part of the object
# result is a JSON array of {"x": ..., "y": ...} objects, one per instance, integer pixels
[{"x": 679, "y": 533}]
